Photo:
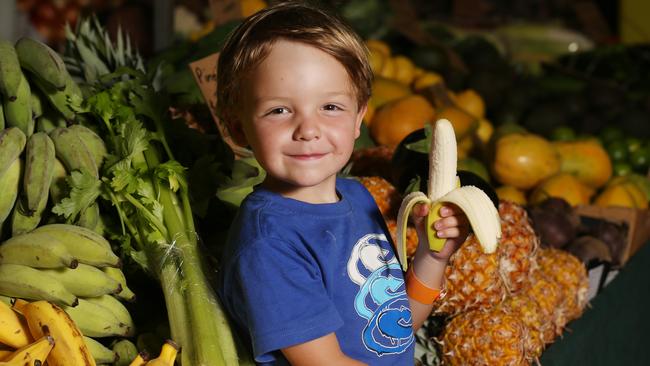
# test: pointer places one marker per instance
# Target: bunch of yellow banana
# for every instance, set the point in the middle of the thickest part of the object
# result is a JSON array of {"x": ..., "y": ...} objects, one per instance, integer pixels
[{"x": 29, "y": 330}]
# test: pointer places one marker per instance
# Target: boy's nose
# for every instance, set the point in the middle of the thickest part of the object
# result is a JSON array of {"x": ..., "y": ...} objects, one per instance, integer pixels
[{"x": 307, "y": 129}]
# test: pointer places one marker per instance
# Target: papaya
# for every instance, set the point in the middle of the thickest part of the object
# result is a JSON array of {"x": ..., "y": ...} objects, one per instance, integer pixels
[
  {"x": 561, "y": 185},
  {"x": 622, "y": 194},
  {"x": 523, "y": 160},
  {"x": 512, "y": 194},
  {"x": 395, "y": 120},
  {"x": 586, "y": 159},
  {"x": 386, "y": 90}
]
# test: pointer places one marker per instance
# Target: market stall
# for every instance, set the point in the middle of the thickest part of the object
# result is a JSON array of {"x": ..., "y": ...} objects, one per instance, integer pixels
[{"x": 119, "y": 182}]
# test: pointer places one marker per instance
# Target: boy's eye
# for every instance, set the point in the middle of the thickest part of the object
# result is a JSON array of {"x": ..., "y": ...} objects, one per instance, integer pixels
[
  {"x": 332, "y": 107},
  {"x": 278, "y": 110}
]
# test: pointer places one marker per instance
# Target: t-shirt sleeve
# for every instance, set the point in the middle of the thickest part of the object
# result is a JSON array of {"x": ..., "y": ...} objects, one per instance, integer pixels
[{"x": 283, "y": 297}]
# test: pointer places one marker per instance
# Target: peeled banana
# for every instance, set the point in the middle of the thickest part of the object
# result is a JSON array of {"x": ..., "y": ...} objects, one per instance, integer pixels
[
  {"x": 45, "y": 318},
  {"x": 29, "y": 283},
  {"x": 14, "y": 331},
  {"x": 443, "y": 187},
  {"x": 32, "y": 354}
]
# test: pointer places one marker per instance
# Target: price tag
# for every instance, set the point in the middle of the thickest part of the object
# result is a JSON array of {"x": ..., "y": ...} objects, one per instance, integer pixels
[
  {"x": 205, "y": 75},
  {"x": 224, "y": 11}
]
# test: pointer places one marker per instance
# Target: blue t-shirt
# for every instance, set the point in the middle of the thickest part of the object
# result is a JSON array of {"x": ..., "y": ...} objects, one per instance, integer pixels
[{"x": 295, "y": 271}]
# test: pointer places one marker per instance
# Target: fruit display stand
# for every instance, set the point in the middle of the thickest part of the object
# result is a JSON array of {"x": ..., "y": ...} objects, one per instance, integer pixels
[{"x": 613, "y": 328}]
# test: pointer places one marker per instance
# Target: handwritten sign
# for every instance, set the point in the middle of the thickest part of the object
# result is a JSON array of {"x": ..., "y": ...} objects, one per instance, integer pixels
[
  {"x": 205, "y": 75},
  {"x": 224, "y": 11}
]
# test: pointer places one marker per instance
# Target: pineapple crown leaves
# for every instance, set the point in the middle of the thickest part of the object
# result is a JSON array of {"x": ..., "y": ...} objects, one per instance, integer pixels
[{"x": 90, "y": 53}]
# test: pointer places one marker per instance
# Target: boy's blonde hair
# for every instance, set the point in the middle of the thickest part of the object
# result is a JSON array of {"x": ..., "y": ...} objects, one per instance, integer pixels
[{"x": 251, "y": 42}]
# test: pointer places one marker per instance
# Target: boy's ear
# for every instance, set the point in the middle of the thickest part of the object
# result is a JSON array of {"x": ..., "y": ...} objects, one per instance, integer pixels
[{"x": 359, "y": 120}]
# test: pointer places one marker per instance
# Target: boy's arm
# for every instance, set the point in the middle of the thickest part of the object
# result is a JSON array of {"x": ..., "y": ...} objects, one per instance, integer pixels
[
  {"x": 428, "y": 266},
  {"x": 323, "y": 351}
]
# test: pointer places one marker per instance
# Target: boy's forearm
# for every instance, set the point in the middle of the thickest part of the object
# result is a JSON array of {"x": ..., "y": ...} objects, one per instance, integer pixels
[{"x": 431, "y": 272}]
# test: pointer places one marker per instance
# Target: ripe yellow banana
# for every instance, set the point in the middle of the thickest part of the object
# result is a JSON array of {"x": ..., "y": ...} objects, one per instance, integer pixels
[
  {"x": 45, "y": 318},
  {"x": 100, "y": 353},
  {"x": 140, "y": 359},
  {"x": 167, "y": 355},
  {"x": 32, "y": 354},
  {"x": 14, "y": 331},
  {"x": 443, "y": 187},
  {"x": 5, "y": 351}
]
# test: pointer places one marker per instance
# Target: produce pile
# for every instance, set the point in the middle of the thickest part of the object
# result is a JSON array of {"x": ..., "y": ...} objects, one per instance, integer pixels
[{"x": 91, "y": 188}]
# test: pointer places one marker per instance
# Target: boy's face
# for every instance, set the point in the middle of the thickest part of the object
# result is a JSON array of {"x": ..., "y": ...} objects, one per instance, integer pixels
[{"x": 301, "y": 117}]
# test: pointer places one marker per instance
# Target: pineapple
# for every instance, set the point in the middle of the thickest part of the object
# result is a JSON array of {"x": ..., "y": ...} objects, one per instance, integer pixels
[
  {"x": 472, "y": 280},
  {"x": 372, "y": 161},
  {"x": 518, "y": 245},
  {"x": 475, "y": 279},
  {"x": 485, "y": 337},
  {"x": 385, "y": 194},
  {"x": 571, "y": 275},
  {"x": 525, "y": 308},
  {"x": 547, "y": 294}
]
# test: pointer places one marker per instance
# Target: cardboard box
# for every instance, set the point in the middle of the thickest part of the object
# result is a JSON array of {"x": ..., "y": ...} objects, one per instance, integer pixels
[{"x": 636, "y": 222}]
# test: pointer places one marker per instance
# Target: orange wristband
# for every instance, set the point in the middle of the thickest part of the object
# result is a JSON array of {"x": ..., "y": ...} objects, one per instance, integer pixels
[{"x": 418, "y": 291}]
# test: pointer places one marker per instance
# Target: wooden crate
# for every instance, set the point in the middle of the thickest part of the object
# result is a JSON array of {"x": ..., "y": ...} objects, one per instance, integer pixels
[{"x": 636, "y": 221}]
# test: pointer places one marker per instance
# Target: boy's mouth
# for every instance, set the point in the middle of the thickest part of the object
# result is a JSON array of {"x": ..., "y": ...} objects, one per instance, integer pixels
[{"x": 310, "y": 156}]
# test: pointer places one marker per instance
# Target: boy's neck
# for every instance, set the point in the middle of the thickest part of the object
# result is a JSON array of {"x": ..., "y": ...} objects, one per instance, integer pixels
[{"x": 324, "y": 192}]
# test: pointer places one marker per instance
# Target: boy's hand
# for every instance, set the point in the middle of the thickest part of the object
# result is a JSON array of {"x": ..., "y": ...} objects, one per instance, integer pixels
[{"x": 453, "y": 225}]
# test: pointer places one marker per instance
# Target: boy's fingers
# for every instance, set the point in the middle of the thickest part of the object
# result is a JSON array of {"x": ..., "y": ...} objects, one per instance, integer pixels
[
  {"x": 421, "y": 209},
  {"x": 449, "y": 222},
  {"x": 449, "y": 210}
]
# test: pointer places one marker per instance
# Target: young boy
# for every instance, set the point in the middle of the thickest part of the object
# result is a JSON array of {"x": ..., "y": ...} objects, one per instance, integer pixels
[{"x": 309, "y": 274}]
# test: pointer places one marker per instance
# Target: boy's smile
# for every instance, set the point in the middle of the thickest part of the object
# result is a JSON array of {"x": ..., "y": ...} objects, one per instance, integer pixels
[{"x": 301, "y": 118}]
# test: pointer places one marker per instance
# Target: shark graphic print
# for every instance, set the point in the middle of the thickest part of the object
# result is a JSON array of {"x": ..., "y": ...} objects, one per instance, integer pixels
[{"x": 381, "y": 299}]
